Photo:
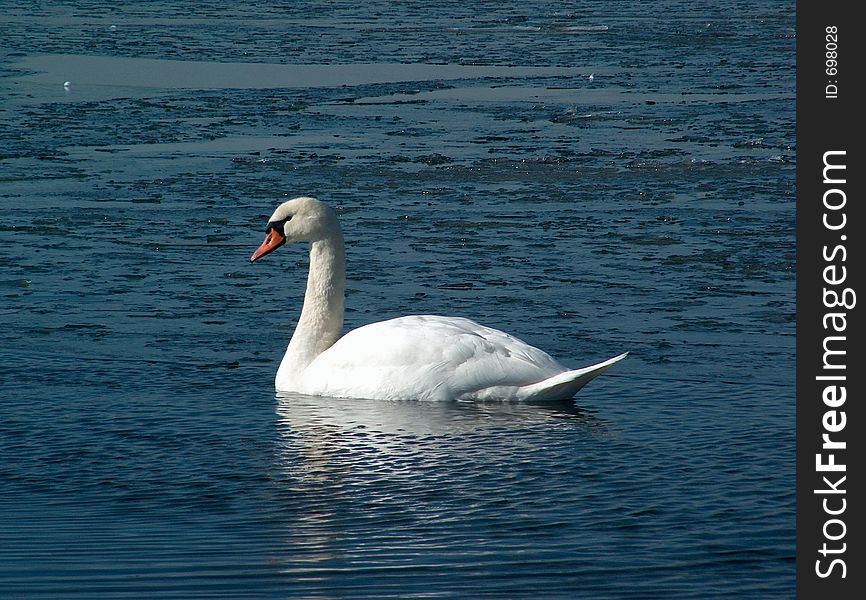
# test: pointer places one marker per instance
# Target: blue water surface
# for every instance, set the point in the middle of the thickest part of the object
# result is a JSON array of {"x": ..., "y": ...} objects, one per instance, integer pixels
[{"x": 594, "y": 177}]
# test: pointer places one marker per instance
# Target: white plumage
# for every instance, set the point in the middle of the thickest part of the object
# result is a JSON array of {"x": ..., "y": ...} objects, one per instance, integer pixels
[{"x": 423, "y": 357}]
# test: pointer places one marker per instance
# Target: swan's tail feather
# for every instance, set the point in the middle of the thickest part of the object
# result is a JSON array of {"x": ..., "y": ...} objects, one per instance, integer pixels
[{"x": 567, "y": 384}]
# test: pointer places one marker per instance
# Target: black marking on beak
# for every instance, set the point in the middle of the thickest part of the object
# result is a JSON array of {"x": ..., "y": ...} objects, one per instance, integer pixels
[{"x": 278, "y": 225}]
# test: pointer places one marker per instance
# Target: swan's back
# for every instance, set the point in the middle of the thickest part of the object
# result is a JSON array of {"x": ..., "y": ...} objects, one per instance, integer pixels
[{"x": 428, "y": 357}]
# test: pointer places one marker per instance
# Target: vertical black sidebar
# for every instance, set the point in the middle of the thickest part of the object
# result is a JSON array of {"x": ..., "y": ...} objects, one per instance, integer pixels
[{"x": 831, "y": 367}]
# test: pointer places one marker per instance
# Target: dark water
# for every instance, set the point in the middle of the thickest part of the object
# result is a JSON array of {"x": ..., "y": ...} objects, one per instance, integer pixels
[{"x": 650, "y": 209}]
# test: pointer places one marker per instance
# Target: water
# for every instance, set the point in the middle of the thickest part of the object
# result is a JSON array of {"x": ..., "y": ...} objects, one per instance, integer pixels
[{"x": 143, "y": 452}]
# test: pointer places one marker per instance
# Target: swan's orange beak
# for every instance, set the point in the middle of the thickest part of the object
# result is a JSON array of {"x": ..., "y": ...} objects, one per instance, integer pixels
[{"x": 274, "y": 238}]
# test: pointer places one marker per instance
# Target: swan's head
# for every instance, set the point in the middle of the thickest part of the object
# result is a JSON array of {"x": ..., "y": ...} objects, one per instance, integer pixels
[{"x": 298, "y": 220}]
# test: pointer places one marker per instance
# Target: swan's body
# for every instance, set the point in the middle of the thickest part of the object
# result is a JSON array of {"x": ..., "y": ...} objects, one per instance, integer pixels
[{"x": 417, "y": 357}]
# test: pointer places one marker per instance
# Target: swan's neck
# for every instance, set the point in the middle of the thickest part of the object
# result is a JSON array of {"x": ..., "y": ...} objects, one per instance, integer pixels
[{"x": 321, "y": 320}]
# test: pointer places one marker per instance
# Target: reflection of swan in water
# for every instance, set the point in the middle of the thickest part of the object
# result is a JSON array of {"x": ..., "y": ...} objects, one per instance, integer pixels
[
  {"x": 362, "y": 480},
  {"x": 326, "y": 439},
  {"x": 305, "y": 413},
  {"x": 417, "y": 357},
  {"x": 321, "y": 424}
]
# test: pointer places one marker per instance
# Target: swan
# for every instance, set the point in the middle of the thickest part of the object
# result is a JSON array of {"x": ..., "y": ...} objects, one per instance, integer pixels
[{"x": 424, "y": 357}]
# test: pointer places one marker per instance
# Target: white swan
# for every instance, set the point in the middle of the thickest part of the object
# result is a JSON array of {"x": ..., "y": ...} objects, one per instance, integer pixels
[{"x": 417, "y": 357}]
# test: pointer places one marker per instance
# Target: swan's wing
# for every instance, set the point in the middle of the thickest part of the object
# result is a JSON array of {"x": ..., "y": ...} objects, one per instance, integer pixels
[{"x": 426, "y": 357}]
